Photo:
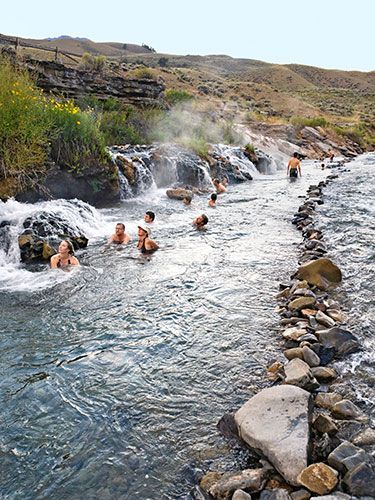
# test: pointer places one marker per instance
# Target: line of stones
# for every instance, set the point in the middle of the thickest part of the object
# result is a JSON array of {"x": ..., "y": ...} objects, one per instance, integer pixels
[{"x": 314, "y": 337}]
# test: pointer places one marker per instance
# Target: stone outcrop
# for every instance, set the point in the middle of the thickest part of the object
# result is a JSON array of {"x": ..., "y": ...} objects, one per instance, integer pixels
[
  {"x": 74, "y": 83},
  {"x": 97, "y": 184},
  {"x": 276, "y": 422}
]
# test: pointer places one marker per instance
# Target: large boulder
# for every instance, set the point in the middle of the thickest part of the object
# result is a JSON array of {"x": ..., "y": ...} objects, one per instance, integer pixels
[
  {"x": 342, "y": 341},
  {"x": 44, "y": 230},
  {"x": 320, "y": 272},
  {"x": 179, "y": 193},
  {"x": 276, "y": 422}
]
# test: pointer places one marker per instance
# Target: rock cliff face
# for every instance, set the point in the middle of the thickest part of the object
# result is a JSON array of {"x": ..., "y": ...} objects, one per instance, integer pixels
[
  {"x": 97, "y": 184},
  {"x": 74, "y": 83}
]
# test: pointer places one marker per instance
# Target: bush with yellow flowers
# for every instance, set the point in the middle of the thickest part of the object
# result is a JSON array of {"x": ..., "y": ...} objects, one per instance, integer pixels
[{"x": 36, "y": 128}]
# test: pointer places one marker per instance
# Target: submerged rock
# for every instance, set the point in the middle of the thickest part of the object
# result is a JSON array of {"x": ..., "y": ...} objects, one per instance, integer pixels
[
  {"x": 276, "y": 422},
  {"x": 222, "y": 486},
  {"x": 321, "y": 273}
]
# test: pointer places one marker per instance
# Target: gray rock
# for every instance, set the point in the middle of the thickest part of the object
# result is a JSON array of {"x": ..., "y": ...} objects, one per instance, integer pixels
[
  {"x": 337, "y": 495},
  {"x": 241, "y": 495},
  {"x": 275, "y": 421},
  {"x": 346, "y": 410},
  {"x": 364, "y": 438},
  {"x": 347, "y": 456},
  {"x": 298, "y": 373},
  {"x": 360, "y": 481},
  {"x": 275, "y": 494},
  {"x": 310, "y": 357},
  {"x": 341, "y": 340},
  {"x": 324, "y": 320},
  {"x": 300, "y": 495}
]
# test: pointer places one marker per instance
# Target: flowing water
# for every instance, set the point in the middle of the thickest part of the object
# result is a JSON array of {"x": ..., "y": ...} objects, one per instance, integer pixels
[{"x": 115, "y": 375}]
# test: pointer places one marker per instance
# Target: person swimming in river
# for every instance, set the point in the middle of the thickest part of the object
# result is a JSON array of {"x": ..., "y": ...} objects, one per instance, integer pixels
[
  {"x": 65, "y": 257},
  {"x": 220, "y": 188},
  {"x": 149, "y": 217},
  {"x": 212, "y": 200},
  {"x": 294, "y": 166},
  {"x": 145, "y": 243},
  {"x": 200, "y": 221},
  {"x": 120, "y": 237}
]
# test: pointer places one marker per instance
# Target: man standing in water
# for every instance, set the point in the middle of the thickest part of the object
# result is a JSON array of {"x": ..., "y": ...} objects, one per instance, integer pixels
[
  {"x": 294, "y": 166},
  {"x": 120, "y": 237}
]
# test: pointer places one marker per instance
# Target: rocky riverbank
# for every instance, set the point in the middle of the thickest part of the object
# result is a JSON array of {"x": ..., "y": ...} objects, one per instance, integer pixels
[{"x": 313, "y": 440}]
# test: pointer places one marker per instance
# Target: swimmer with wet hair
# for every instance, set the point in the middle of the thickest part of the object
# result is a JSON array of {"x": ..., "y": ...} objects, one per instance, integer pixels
[
  {"x": 200, "y": 221},
  {"x": 65, "y": 257},
  {"x": 149, "y": 217},
  {"x": 212, "y": 200}
]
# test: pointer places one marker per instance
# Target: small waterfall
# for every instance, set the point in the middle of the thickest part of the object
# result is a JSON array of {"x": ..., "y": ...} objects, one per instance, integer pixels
[
  {"x": 171, "y": 165},
  {"x": 48, "y": 219},
  {"x": 233, "y": 161}
]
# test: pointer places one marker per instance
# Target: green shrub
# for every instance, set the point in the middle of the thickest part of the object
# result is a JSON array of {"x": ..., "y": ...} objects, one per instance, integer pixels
[
  {"x": 300, "y": 121},
  {"x": 24, "y": 124},
  {"x": 116, "y": 129},
  {"x": 142, "y": 74},
  {"x": 76, "y": 135},
  {"x": 92, "y": 63},
  {"x": 174, "y": 96},
  {"x": 249, "y": 148}
]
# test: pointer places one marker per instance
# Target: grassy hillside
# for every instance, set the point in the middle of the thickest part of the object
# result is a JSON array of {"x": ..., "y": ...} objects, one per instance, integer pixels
[{"x": 244, "y": 90}]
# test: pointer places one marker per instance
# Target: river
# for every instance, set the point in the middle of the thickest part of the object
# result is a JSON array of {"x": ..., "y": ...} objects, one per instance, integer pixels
[{"x": 115, "y": 375}]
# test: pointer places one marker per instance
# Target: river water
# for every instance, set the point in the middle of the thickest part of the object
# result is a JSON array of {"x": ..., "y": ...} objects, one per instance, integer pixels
[{"x": 115, "y": 375}]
